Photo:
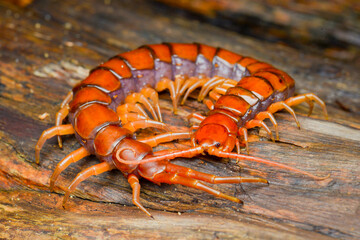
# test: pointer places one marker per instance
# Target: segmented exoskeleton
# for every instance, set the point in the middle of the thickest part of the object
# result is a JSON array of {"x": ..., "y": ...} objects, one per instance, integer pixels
[{"x": 107, "y": 107}]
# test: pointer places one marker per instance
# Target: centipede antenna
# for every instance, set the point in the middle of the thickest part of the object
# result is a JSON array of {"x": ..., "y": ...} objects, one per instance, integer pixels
[{"x": 219, "y": 153}]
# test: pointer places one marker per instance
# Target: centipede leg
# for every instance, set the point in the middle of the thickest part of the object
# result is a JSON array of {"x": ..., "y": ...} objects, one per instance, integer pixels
[
  {"x": 67, "y": 99},
  {"x": 63, "y": 112},
  {"x": 130, "y": 117},
  {"x": 173, "y": 178},
  {"x": 49, "y": 133},
  {"x": 133, "y": 126},
  {"x": 153, "y": 141},
  {"x": 197, "y": 116},
  {"x": 176, "y": 87},
  {"x": 191, "y": 85},
  {"x": 210, "y": 178},
  {"x": 135, "y": 185},
  {"x": 221, "y": 89},
  {"x": 131, "y": 108},
  {"x": 282, "y": 105},
  {"x": 179, "y": 82},
  {"x": 208, "y": 86},
  {"x": 154, "y": 97},
  {"x": 190, "y": 82},
  {"x": 259, "y": 123},
  {"x": 214, "y": 95},
  {"x": 73, "y": 157},
  {"x": 60, "y": 116},
  {"x": 243, "y": 131},
  {"x": 140, "y": 98},
  {"x": 209, "y": 104},
  {"x": 309, "y": 98},
  {"x": 267, "y": 114},
  {"x": 83, "y": 175},
  {"x": 166, "y": 83},
  {"x": 219, "y": 81},
  {"x": 218, "y": 91}
]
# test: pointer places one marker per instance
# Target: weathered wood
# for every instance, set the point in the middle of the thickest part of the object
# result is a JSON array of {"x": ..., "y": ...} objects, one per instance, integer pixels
[
  {"x": 49, "y": 46},
  {"x": 329, "y": 28}
]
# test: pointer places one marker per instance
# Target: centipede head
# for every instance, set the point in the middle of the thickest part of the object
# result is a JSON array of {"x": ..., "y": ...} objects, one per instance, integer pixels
[{"x": 214, "y": 136}]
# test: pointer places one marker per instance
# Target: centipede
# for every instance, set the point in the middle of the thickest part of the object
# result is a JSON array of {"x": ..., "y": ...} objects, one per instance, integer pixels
[{"x": 120, "y": 96}]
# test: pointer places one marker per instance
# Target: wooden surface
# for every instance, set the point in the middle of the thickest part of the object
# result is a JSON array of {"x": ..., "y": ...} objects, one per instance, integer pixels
[
  {"x": 329, "y": 28},
  {"x": 50, "y": 45}
]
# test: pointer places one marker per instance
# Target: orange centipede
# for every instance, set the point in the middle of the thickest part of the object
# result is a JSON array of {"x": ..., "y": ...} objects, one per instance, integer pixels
[{"x": 118, "y": 97}]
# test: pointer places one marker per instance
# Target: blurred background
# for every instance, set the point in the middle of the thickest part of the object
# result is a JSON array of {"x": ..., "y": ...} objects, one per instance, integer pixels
[{"x": 328, "y": 28}]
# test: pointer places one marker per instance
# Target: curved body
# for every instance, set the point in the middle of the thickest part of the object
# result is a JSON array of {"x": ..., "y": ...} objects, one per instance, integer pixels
[{"x": 107, "y": 107}]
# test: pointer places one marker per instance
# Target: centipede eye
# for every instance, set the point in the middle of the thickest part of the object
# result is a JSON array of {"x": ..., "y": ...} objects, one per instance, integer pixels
[
  {"x": 197, "y": 141},
  {"x": 217, "y": 145}
]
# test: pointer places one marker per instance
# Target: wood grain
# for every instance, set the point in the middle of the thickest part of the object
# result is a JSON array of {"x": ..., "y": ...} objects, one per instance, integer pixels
[
  {"x": 50, "y": 45},
  {"x": 328, "y": 28}
]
